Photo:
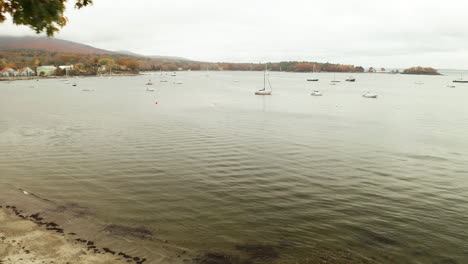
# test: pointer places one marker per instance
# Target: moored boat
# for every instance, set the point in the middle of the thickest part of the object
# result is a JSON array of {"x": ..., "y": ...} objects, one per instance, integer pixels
[
  {"x": 369, "y": 95},
  {"x": 316, "y": 93},
  {"x": 264, "y": 91}
]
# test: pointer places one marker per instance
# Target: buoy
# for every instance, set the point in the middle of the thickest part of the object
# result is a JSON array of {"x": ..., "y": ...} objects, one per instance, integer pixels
[{"x": 156, "y": 102}]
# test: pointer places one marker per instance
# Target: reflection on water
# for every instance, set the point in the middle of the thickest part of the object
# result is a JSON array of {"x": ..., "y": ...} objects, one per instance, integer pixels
[{"x": 285, "y": 178}]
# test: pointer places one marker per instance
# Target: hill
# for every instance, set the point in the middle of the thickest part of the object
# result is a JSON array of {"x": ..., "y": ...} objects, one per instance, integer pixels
[
  {"x": 130, "y": 53},
  {"x": 47, "y": 44}
]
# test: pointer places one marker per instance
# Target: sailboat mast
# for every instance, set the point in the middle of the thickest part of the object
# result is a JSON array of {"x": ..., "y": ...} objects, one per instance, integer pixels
[{"x": 264, "y": 78}]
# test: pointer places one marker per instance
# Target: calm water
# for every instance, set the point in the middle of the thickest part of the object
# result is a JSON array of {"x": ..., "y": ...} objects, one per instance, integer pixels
[{"x": 212, "y": 166}]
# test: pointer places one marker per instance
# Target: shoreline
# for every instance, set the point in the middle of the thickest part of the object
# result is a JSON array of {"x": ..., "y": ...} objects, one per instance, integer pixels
[
  {"x": 34, "y": 229},
  {"x": 29, "y": 239},
  {"x": 28, "y": 78}
]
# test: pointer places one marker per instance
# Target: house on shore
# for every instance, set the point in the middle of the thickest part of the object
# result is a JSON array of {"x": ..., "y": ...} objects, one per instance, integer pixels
[
  {"x": 46, "y": 70},
  {"x": 26, "y": 71},
  {"x": 66, "y": 68},
  {"x": 8, "y": 72}
]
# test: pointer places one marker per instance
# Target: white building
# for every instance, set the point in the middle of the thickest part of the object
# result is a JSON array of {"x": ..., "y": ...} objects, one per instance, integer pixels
[
  {"x": 26, "y": 71},
  {"x": 45, "y": 70},
  {"x": 8, "y": 72},
  {"x": 66, "y": 67}
]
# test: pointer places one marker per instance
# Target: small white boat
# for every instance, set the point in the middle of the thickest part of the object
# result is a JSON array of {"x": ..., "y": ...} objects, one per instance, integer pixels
[
  {"x": 451, "y": 86},
  {"x": 173, "y": 74},
  {"x": 236, "y": 80},
  {"x": 149, "y": 82},
  {"x": 178, "y": 82},
  {"x": 264, "y": 91},
  {"x": 334, "y": 79},
  {"x": 87, "y": 90},
  {"x": 369, "y": 95},
  {"x": 312, "y": 79},
  {"x": 150, "y": 89},
  {"x": 460, "y": 80},
  {"x": 73, "y": 84},
  {"x": 316, "y": 93},
  {"x": 163, "y": 81},
  {"x": 418, "y": 82}
]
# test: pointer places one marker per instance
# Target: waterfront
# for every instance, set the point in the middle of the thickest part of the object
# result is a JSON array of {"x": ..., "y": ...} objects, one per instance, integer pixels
[{"x": 211, "y": 166}]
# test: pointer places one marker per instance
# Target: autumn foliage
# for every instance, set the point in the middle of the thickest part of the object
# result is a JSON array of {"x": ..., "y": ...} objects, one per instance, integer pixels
[
  {"x": 421, "y": 70},
  {"x": 92, "y": 64}
]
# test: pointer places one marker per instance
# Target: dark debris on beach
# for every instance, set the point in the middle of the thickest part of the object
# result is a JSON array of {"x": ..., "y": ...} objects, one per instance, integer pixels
[{"x": 52, "y": 226}]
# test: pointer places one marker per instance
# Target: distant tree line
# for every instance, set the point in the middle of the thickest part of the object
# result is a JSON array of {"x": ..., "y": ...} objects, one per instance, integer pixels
[
  {"x": 421, "y": 70},
  {"x": 117, "y": 63}
]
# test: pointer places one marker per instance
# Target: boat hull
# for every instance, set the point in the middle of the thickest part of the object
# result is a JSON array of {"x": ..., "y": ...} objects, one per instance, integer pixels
[
  {"x": 459, "y": 81},
  {"x": 312, "y": 80},
  {"x": 263, "y": 93}
]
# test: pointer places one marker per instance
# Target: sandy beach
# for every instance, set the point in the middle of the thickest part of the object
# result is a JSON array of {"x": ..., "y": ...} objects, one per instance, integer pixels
[
  {"x": 34, "y": 229},
  {"x": 25, "y": 239}
]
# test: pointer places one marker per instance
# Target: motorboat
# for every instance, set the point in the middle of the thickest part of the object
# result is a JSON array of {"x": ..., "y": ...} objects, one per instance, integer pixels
[
  {"x": 418, "y": 82},
  {"x": 149, "y": 82},
  {"x": 316, "y": 93},
  {"x": 369, "y": 95},
  {"x": 150, "y": 89},
  {"x": 351, "y": 79}
]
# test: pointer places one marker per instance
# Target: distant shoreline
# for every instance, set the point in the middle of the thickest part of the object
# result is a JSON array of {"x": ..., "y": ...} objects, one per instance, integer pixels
[{"x": 25, "y": 78}]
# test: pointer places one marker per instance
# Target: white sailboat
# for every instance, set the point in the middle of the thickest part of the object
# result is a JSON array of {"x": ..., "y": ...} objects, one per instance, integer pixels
[
  {"x": 264, "y": 91},
  {"x": 334, "y": 79},
  {"x": 312, "y": 79},
  {"x": 461, "y": 80}
]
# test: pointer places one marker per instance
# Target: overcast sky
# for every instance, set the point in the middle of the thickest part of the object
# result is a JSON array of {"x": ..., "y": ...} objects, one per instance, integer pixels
[{"x": 396, "y": 33}]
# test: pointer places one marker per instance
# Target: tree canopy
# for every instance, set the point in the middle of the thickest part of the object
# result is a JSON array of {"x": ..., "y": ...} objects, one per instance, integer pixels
[{"x": 40, "y": 15}]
